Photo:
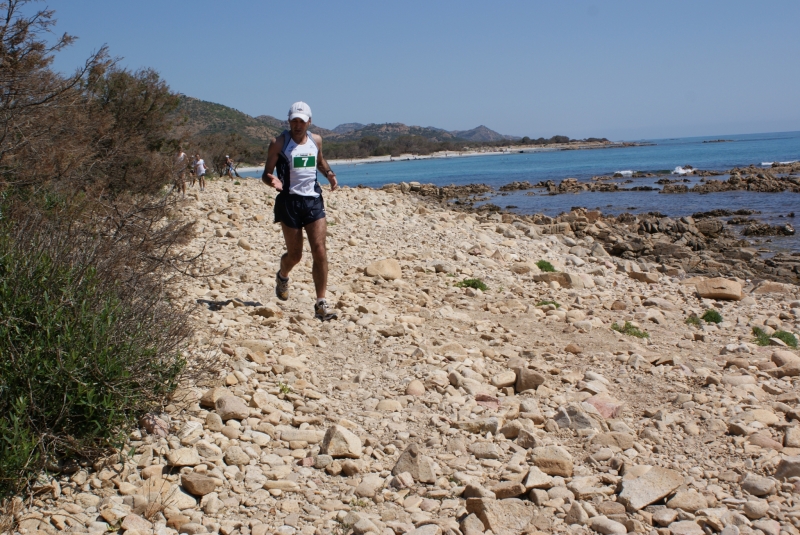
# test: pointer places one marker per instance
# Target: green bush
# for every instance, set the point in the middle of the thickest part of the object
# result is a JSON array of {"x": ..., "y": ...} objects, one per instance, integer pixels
[
  {"x": 477, "y": 284},
  {"x": 693, "y": 320},
  {"x": 763, "y": 339},
  {"x": 543, "y": 303},
  {"x": 711, "y": 316},
  {"x": 81, "y": 360},
  {"x": 630, "y": 330},
  {"x": 546, "y": 266}
]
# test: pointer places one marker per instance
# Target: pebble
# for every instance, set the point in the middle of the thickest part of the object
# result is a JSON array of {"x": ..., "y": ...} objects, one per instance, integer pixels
[{"x": 427, "y": 408}]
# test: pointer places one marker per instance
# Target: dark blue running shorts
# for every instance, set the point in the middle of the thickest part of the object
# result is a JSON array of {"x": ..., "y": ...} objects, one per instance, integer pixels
[{"x": 297, "y": 211}]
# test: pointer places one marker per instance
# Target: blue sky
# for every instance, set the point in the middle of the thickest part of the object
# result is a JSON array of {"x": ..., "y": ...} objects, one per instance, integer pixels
[{"x": 620, "y": 69}]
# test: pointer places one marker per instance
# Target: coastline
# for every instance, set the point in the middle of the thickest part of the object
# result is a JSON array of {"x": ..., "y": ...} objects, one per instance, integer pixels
[{"x": 500, "y": 151}]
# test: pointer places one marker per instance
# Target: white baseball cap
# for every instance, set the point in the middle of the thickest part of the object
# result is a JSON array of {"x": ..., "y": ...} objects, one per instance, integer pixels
[{"x": 300, "y": 110}]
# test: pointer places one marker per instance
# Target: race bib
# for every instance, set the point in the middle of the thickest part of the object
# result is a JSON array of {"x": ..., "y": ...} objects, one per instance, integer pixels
[{"x": 305, "y": 161}]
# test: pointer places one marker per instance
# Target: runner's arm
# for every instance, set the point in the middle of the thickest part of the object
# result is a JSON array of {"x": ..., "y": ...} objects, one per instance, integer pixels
[
  {"x": 323, "y": 166},
  {"x": 272, "y": 160}
]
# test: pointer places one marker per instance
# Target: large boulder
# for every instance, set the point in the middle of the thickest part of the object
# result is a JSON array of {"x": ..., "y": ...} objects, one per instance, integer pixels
[
  {"x": 654, "y": 485},
  {"x": 719, "y": 288},
  {"x": 339, "y": 442},
  {"x": 501, "y": 516},
  {"x": 419, "y": 466},
  {"x": 388, "y": 269}
]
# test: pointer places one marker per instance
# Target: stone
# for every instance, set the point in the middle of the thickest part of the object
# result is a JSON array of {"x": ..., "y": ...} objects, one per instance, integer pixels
[
  {"x": 755, "y": 509},
  {"x": 198, "y": 484},
  {"x": 606, "y": 526},
  {"x": 472, "y": 525},
  {"x": 501, "y": 516},
  {"x": 686, "y": 527},
  {"x": 484, "y": 450},
  {"x": 654, "y": 485},
  {"x": 339, "y": 442},
  {"x": 527, "y": 439},
  {"x": 719, "y": 288},
  {"x": 757, "y": 485},
  {"x": 415, "y": 388},
  {"x": 536, "y": 479},
  {"x": 504, "y": 379},
  {"x": 415, "y": 463},
  {"x": 235, "y": 455},
  {"x": 231, "y": 408},
  {"x": 528, "y": 379},
  {"x": 577, "y": 515},
  {"x": 791, "y": 437},
  {"x": 369, "y": 486},
  {"x": 575, "y": 349},
  {"x": 244, "y": 244},
  {"x": 388, "y": 269},
  {"x": 183, "y": 457},
  {"x": 607, "y": 406},
  {"x": 427, "y": 529},
  {"x": 768, "y": 526},
  {"x": 572, "y": 416},
  {"x": 210, "y": 397},
  {"x": 508, "y": 489},
  {"x": 312, "y": 436},
  {"x": 391, "y": 405},
  {"x": 552, "y": 460},
  {"x": 622, "y": 441},
  {"x": 135, "y": 522},
  {"x": 644, "y": 276},
  {"x": 690, "y": 501}
]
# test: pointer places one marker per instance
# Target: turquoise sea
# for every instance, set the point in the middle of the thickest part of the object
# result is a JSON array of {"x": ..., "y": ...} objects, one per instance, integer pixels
[{"x": 660, "y": 154}]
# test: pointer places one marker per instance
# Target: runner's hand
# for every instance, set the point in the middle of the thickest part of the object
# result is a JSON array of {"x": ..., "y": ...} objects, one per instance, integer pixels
[
  {"x": 272, "y": 180},
  {"x": 334, "y": 183}
]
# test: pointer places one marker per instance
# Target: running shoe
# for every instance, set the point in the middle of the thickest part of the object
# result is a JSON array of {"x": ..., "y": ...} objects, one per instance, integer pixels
[
  {"x": 281, "y": 287},
  {"x": 323, "y": 312}
]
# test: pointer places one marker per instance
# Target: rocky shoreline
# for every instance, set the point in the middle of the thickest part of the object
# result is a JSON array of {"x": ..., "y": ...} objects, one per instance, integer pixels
[
  {"x": 699, "y": 245},
  {"x": 432, "y": 407}
]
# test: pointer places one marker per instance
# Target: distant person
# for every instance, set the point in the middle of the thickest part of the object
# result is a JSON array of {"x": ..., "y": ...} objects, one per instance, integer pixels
[
  {"x": 230, "y": 168},
  {"x": 200, "y": 171},
  {"x": 180, "y": 170},
  {"x": 299, "y": 204}
]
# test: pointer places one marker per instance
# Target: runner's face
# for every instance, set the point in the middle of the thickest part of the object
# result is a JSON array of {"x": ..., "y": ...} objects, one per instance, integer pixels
[{"x": 298, "y": 126}]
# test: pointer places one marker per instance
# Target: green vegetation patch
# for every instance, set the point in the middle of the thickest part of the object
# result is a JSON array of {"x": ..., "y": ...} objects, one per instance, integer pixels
[
  {"x": 544, "y": 303},
  {"x": 80, "y": 363},
  {"x": 546, "y": 266},
  {"x": 711, "y": 316},
  {"x": 477, "y": 284},
  {"x": 763, "y": 339},
  {"x": 630, "y": 330},
  {"x": 693, "y": 320}
]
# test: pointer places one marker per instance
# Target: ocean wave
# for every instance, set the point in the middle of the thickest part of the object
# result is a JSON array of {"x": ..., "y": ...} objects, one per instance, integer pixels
[
  {"x": 767, "y": 164},
  {"x": 624, "y": 173},
  {"x": 681, "y": 171}
]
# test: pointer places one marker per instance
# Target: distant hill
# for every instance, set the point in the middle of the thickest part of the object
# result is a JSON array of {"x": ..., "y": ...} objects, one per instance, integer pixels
[
  {"x": 389, "y": 131},
  {"x": 346, "y": 128},
  {"x": 280, "y": 126},
  {"x": 481, "y": 133},
  {"x": 200, "y": 119},
  {"x": 218, "y": 130}
]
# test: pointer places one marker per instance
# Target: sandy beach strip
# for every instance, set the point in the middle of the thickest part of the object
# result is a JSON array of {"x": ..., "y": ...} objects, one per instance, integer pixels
[{"x": 458, "y": 154}]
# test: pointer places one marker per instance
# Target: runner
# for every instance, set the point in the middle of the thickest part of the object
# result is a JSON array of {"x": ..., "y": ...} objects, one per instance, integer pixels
[
  {"x": 180, "y": 171},
  {"x": 299, "y": 205},
  {"x": 200, "y": 171},
  {"x": 230, "y": 169}
]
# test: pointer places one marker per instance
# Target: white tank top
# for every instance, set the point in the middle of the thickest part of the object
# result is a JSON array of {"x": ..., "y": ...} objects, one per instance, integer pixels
[{"x": 302, "y": 166}]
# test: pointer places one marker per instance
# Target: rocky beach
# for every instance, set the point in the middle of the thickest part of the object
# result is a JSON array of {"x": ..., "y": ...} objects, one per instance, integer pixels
[{"x": 463, "y": 390}]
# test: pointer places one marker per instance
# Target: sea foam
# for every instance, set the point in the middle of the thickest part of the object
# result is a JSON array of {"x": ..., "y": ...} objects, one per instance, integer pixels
[{"x": 681, "y": 171}]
